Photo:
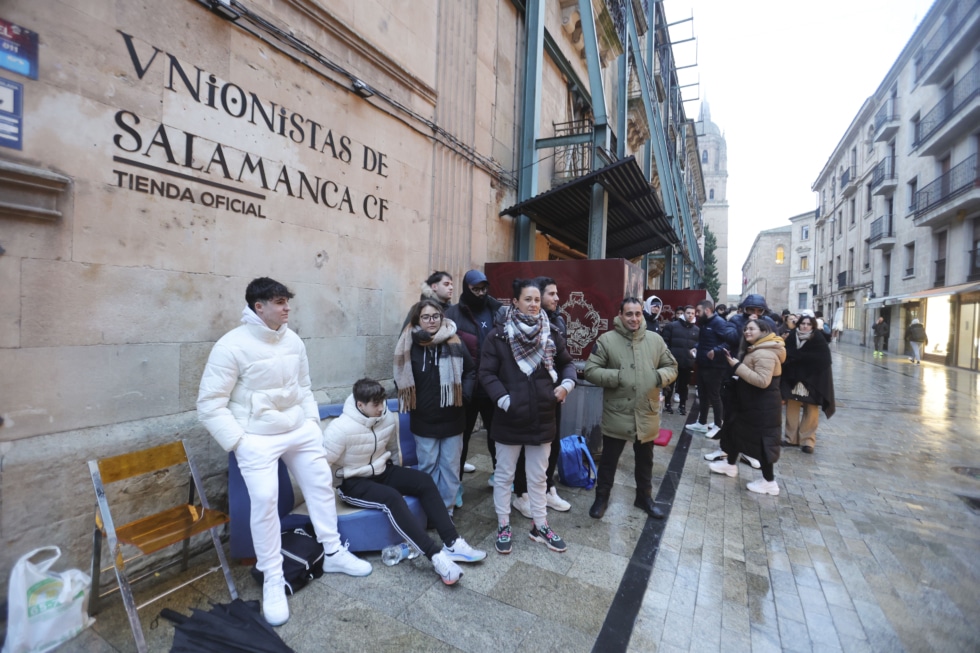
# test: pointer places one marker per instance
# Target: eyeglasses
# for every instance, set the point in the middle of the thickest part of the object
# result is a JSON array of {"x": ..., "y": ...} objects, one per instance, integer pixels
[
  {"x": 478, "y": 290},
  {"x": 435, "y": 317}
]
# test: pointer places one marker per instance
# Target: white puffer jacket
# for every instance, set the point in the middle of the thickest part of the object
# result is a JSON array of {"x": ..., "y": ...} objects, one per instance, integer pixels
[
  {"x": 257, "y": 381},
  {"x": 358, "y": 445}
]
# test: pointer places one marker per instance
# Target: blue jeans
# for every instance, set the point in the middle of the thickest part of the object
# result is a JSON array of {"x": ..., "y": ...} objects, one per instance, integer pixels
[{"x": 439, "y": 458}]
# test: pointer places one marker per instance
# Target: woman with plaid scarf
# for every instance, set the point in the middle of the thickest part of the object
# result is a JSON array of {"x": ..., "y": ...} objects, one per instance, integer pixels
[
  {"x": 520, "y": 366},
  {"x": 435, "y": 375}
]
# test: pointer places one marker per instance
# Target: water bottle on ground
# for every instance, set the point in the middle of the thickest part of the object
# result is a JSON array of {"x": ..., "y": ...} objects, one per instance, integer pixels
[{"x": 392, "y": 555}]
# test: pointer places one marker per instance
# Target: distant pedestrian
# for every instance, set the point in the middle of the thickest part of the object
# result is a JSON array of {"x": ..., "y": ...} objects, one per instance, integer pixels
[
  {"x": 681, "y": 337},
  {"x": 435, "y": 376},
  {"x": 880, "y": 330},
  {"x": 916, "y": 335},
  {"x": 807, "y": 384},
  {"x": 652, "y": 307},
  {"x": 755, "y": 427}
]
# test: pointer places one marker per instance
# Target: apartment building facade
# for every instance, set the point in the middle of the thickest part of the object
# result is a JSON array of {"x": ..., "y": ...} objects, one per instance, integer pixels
[
  {"x": 898, "y": 202},
  {"x": 766, "y": 270}
]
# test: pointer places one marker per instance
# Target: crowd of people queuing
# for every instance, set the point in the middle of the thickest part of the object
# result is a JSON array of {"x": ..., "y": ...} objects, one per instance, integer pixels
[{"x": 507, "y": 363}]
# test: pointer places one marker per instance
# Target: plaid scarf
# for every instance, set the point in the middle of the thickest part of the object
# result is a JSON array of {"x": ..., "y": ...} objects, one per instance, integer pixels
[
  {"x": 530, "y": 341},
  {"x": 448, "y": 358}
]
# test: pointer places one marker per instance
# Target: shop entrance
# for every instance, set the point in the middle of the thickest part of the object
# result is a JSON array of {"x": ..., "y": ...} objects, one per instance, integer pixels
[{"x": 968, "y": 337}]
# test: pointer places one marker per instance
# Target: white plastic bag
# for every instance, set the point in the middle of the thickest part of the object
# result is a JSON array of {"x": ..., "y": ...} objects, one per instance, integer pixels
[{"x": 45, "y": 608}]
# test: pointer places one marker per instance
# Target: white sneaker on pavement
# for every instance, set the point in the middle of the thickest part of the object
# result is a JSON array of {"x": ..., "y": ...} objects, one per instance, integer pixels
[
  {"x": 717, "y": 454},
  {"x": 698, "y": 426},
  {"x": 722, "y": 467},
  {"x": 555, "y": 502},
  {"x": 523, "y": 504},
  {"x": 468, "y": 468},
  {"x": 275, "y": 609},
  {"x": 712, "y": 431},
  {"x": 460, "y": 551},
  {"x": 762, "y": 486},
  {"x": 344, "y": 562},
  {"x": 448, "y": 570},
  {"x": 750, "y": 460},
  {"x": 677, "y": 398}
]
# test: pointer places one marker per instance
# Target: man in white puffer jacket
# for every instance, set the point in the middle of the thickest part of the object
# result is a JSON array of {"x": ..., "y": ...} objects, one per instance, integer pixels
[{"x": 256, "y": 400}]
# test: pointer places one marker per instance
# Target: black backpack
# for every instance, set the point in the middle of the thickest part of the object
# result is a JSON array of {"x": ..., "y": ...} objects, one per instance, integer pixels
[{"x": 302, "y": 559}]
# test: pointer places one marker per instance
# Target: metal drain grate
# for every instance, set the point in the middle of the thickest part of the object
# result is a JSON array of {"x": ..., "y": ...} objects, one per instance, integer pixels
[{"x": 973, "y": 472}]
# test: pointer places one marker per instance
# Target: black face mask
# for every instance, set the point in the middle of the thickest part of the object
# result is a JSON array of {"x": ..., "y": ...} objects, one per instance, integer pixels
[{"x": 475, "y": 302}]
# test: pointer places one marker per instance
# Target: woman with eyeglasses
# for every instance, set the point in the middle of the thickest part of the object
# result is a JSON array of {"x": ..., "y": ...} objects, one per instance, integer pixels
[
  {"x": 807, "y": 384},
  {"x": 435, "y": 375}
]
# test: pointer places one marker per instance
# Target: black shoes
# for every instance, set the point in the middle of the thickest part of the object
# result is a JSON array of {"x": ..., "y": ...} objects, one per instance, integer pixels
[
  {"x": 806, "y": 449},
  {"x": 682, "y": 410},
  {"x": 599, "y": 506},
  {"x": 646, "y": 504},
  {"x": 668, "y": 409}
]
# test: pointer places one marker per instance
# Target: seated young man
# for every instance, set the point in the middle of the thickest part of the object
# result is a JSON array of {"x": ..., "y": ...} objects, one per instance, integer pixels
[{"x": 362, "y": 448}]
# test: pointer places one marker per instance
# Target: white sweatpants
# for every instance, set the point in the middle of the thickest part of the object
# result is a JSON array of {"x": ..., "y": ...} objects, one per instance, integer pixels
[
  {"x": 302, "y": 451},
  {"x": 535, "y": 467}
]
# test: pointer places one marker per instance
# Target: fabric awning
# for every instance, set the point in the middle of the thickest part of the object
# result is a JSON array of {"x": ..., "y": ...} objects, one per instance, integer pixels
[{"x": 636, "y": 222}]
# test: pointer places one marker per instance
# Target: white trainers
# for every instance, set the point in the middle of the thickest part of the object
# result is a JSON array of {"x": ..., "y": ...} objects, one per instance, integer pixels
[
  {"x": 712, "y": 431},
  {"x": 698, "y": 426},
  {"x": 523, "y": 505},
  {"x": 677, "y": 398},
  {"x": 717, "y": 454},
  {"x": 750, "y": 460},
  {"x": 448, "y": 570},
  {"x": 275, "y": 609},
  {"x": 722, "y": 467},
  {"x": 762, "y": 486},
  {"x": 468, "y": 468},
  {"x": 555, "y": 502},
  {"x": 460, "y": 551},
  {"x": 344, "y": 562}
]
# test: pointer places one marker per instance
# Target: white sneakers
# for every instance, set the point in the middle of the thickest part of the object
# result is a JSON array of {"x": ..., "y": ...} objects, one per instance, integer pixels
[
  {"x": 698, "y": 426},
  {"x": 762, "y": 486},
  {"x": 523, "y": 505},
  {"x": 750, "y": 460},
  {"x": 345, "y": 562},
  {"x": 448, "y": 570},
  {"x": 722, "y": 467},
  {"x": 275, "y": 609},
  {"x": 468, "y": 468},
  {"x": 461, "y": 551},
  {"x": 555, "y": 502},
  {"x": 717, "y": 454}
]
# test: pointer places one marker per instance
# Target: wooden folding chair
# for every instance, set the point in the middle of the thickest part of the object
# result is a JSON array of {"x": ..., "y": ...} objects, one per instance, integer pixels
[{"x": 151, "y": 533}]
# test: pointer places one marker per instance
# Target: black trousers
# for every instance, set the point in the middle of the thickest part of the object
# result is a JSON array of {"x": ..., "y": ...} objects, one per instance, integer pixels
[
  {"x": 384, "y": 492},
  {"x": 482, "y": 406},
  {"x": 709, "y": 393},
  {"x": 764, "y": 464},
  {"x": 680, "y": 386},
  {"x": 612, "y": 449}
]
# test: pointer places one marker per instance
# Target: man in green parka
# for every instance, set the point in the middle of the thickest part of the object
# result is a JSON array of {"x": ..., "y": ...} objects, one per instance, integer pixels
[{"x": 632, "y": 365}]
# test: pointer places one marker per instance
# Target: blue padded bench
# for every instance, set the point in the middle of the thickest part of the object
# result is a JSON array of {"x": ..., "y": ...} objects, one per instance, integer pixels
[{"x": 362, "y": 529}]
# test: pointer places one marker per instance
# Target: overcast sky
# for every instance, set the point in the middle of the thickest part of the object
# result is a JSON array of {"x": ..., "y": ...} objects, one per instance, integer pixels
[{"x": 784, "y": 79}]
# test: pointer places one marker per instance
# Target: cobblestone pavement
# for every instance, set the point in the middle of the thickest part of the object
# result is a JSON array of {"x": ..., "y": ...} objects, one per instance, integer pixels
[{"x": 868, "y": 547}]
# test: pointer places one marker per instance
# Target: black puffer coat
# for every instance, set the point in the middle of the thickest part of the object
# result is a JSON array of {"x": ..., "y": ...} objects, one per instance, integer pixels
[
  {"x": 681, "y": 337},
  {"x": 809, "y": 364},
  {"x": 428, "y": 419},
  {"x": 758, "y": 420},
  {"x": 531, "y": 416}
]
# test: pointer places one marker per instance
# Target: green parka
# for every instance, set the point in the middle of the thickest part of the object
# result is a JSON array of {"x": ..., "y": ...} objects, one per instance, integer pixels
[{"x": 631, "y": 367}]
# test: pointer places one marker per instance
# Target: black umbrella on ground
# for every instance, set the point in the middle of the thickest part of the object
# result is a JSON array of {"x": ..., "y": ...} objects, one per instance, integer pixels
[{"x": 236, "y": 627}]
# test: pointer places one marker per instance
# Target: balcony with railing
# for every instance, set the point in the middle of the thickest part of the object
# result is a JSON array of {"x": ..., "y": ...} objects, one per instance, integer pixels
[
  {"x": 848, "y": 181},
  {"x": 940, "y": 275},
  {"x": 973, "y": 274},
  {"x": 882, "y": 232},
  {"x": 886, "y": 121},
  {"x": 574, "y": 160},
  {"x": 958, "y": 33},
  {"x": 884, "y": 178},
  {"x": 845, "y": 280},
  {"x": 955, "y": 191},
  {"x": 955, "y": 115},
  {"x": 910, "y": 272}
]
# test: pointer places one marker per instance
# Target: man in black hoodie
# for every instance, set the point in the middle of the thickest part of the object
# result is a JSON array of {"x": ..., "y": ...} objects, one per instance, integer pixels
[{"x": 474, "y": 315}]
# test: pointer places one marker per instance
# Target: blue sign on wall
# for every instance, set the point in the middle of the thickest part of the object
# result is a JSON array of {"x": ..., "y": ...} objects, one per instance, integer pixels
[
  {"x": 11, "y": 113},
  {"x": 18, "y": 49}
]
